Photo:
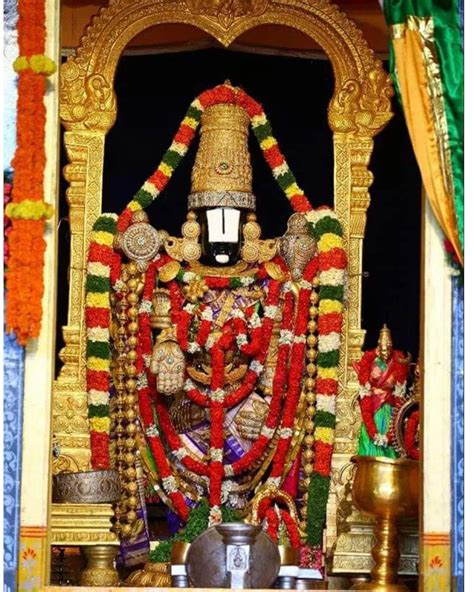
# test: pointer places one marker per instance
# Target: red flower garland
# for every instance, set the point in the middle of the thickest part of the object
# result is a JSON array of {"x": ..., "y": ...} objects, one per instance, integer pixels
[{"x": 411, "y": 446}]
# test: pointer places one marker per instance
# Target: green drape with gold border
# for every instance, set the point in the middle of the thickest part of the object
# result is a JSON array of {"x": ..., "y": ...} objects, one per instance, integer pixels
[{"x": 428, "y": 70}]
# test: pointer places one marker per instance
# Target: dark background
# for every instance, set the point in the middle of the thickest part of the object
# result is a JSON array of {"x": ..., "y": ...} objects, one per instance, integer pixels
[{"x": 154, "y": 92}]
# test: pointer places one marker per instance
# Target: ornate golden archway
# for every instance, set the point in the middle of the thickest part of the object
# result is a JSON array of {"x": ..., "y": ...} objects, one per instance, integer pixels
[{"x": 359, "y": 109}]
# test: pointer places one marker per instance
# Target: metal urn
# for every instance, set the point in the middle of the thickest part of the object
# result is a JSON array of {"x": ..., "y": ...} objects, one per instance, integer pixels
[
  {"x": 233, "y": 555},
  {"x": 387, "y": 490}
]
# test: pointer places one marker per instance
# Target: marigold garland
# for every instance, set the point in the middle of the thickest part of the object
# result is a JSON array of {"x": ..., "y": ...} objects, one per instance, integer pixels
[{"x": 24, "y": 277}]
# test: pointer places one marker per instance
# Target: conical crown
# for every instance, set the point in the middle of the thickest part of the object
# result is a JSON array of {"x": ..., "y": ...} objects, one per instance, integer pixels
[{"x": 222, "y": 174}]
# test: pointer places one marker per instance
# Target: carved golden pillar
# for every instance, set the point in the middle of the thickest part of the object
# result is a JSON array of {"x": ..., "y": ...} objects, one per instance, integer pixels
[
  {"x": 85, "y": 150},
  {"x": 349, "y": 533}
]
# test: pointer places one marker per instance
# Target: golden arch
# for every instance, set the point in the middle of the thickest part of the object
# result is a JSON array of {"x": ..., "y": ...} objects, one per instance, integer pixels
[{"x": 359, "y": 109}]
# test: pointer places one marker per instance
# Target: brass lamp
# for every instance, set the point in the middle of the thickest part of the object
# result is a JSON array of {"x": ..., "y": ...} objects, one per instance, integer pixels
[{"x": 387, "y": 490}]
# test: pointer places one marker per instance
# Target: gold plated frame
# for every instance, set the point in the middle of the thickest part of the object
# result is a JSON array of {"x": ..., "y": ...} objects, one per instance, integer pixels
[{"x": 358, "y": 110}]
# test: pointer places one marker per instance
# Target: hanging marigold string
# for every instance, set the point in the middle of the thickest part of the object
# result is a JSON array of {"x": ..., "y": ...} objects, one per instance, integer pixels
[{"x": 27, "y": 210}]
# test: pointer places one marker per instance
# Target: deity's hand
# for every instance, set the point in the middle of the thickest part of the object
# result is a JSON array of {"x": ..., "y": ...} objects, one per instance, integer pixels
[
  {"x": 185, "y": 415},
  {"x": 250, "y": 421}
]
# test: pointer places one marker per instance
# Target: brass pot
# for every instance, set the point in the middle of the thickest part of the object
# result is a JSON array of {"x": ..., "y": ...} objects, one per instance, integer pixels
[
  {"x": 179, "y": 552},
  {"x": 288, "y": 555},
  {"x": 386, "y": 489},
  {"x": 91, "y": 487},
  {"x": 153, "y": 575}
]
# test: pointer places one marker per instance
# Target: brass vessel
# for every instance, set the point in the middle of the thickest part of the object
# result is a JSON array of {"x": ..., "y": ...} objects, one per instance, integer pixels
[
  {"x": 100, "y": 570},
  {"x": 387, "y": 490},
  {"x": 179, "y": 552}
]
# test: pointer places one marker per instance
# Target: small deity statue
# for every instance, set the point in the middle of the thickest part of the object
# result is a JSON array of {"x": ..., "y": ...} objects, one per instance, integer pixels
[{"x": 382, "y": 375}]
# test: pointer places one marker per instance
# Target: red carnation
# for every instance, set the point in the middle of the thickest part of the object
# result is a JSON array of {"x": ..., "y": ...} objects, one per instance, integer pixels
[
  {"x": 250, "y": 105},
  {"x": 273, "y": 156},
  {"x": 216, "y": 95},
  {"x": 124, "y": 220},
  {"x": 97, "y": 317},
  {"x": 100, "y": 254},
  {"x": 323, "y": 455},
  {"x": 326, "y": 386},
  {"x": 159, "y": 180},
  {"x": 334, "y": 258},
  {"x": 185, "y": 134},
  {"x": 330, "y": 322},
  {"x": 300, "y": 203},
  {"x": 99, "y": 450}
]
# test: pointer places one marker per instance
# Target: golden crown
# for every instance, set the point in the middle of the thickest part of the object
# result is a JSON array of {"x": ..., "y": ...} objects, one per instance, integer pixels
[{"x": 222, "y": 174}]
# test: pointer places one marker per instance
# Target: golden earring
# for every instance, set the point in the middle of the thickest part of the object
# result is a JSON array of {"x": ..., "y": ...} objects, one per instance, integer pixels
[
  {"x": 188, "y": 247},
  {"x": 251, "y": 233},
  {"x": 254, "y": 249}
]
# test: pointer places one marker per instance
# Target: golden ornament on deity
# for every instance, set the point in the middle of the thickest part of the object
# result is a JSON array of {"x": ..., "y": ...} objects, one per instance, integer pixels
[
  {"x": 195, "y": 290},
  {"x": 168, "y": 272},
  {"x": 222, "y": 173}
]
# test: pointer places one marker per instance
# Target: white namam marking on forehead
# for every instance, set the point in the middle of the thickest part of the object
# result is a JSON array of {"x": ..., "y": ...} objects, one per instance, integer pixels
[{"x": 223, "y": 225}]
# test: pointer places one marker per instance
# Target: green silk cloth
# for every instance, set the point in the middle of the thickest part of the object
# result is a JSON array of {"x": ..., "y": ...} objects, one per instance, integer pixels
[
  {"x": 382, "y": 418},
  {"x": 448, "y": 43}
]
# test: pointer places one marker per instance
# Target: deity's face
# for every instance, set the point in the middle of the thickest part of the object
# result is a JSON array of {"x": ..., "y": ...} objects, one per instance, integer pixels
[
  {"x": 221, "y": 235},
  {"x": 384, "y": 350}
]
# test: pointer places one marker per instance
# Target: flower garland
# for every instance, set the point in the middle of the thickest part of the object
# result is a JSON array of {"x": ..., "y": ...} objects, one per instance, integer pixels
[
  {"x": 27, "y": 210},
  {"x": 411, "y": 447},
  {"x": 327, "y": 229},
  {"x": 103, "y": 269},
  {"x": 281, "y": 527}
]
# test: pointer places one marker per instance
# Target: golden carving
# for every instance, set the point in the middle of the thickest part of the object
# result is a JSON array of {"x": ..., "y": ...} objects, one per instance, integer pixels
[
  {"x": 222, "y": 163},
  {"x": 89, "y": 102},
  {"x": 81, "y": 524},
  {"x": 358, "y": 110},
  {"x": 70, "y": 415},
  {"x": 188, "y": 247},
  {"x": 253, "y": 249},
  {"x": 226, "y": 12}
]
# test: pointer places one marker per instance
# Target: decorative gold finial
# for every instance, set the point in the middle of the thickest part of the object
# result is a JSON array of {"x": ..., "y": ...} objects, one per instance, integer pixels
[{"x": 222, "y": 174}]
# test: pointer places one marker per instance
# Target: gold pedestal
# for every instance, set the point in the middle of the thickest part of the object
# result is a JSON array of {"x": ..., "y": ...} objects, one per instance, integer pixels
[
  {"x": 100, "y": 569},
  {"x": 385, "y": 489}
]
